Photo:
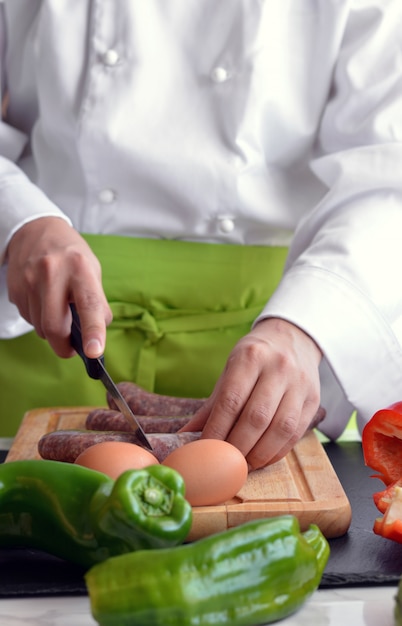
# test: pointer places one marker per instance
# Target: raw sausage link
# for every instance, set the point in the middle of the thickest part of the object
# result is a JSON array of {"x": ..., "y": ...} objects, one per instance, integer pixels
[
  {"x": 66, "y": 445},
  {"x": 164, "y": 443},
  {"x": 143, "y": 402},
  {"x": 108, "y": 419}
]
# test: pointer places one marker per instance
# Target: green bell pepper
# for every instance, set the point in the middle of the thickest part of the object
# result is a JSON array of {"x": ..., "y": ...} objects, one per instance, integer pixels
[
  {"x": 255, "y": 573},
  {"x": 84, "y": 516}
]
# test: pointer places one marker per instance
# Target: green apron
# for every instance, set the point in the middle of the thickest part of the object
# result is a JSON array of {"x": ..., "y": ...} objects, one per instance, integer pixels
[{"x": 178, "y": 310}]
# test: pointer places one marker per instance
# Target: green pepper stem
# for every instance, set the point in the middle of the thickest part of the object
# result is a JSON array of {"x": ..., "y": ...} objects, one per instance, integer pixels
[{"x": 153, "y": 496}]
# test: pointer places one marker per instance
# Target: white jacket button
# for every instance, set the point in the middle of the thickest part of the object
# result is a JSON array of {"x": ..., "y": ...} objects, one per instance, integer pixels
[
  {"x": 226, "y": 224},
  {"x": 219, "y": 74},
  {"x": 106, "y": 196},
  {"x": 110, "y": 57}
]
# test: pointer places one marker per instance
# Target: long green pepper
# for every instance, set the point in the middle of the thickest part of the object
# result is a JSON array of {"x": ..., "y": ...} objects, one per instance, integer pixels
[
  {"x": 255, "y": 573},
  {"x": 84, "y": 516}
]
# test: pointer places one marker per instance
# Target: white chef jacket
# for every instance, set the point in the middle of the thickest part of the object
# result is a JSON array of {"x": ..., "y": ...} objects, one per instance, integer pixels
[{"x": 263, "y": 122}]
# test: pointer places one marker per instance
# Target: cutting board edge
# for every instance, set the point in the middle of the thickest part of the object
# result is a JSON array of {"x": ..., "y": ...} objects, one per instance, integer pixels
[{"x": 333, "y": 522}]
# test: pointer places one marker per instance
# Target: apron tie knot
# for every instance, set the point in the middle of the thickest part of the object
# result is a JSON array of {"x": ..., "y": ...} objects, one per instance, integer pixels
[
  {"x": 130, "y": 316},
  {"x": 133, "y": 316}
]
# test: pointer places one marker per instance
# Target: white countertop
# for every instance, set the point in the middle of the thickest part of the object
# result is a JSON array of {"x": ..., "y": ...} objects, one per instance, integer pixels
[{"x": 368, "y": 606}]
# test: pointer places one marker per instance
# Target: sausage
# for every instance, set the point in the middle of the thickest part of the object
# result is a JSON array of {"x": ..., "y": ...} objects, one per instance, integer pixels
[
  {"x": 109, "y": 419},
  {"x": 164, "y": 443},
  {"x": 143, "y": 402},
  {"x": 66, "y": 445}
]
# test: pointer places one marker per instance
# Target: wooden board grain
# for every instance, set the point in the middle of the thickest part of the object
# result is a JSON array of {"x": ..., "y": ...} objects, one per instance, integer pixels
[{"x": 304, "y": 483}]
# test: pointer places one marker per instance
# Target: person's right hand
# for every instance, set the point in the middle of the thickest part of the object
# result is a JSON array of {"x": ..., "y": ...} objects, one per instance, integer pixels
[{"x": 49, "y": 266}]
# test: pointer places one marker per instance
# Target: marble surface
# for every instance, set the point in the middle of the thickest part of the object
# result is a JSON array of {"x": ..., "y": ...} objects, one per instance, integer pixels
[{"x": 368, "y": 606}]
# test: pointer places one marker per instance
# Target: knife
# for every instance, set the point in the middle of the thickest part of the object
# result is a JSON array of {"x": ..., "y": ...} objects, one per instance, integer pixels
[{"x": 96, "y": 369}]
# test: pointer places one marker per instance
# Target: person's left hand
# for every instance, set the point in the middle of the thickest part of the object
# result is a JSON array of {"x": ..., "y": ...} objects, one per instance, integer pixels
[{"x": 267, "y": 395}]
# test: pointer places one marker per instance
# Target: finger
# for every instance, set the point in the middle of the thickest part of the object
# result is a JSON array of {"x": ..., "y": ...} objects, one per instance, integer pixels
[
  {"x": 48, "y": 318},
  {"x": 256, "y": 417},
  {"x": 308, "y": 420},
  {"x": 95, "y": 315},
  {"x": 22, "y": 294},
  {"x": 55, "y": 321},
  {"x": 43, "y": 305},
  {"x": 288, "y": 425},
  {"x": 199, "y": 419},
  {"x": 91, "y": 304},
  {"x": 229, "y": 399}
]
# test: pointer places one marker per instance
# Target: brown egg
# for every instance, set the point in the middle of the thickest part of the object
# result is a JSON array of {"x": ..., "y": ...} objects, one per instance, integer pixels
[
  {"x": 213, "y": 470},
  {"x": 115, "y": 457}
]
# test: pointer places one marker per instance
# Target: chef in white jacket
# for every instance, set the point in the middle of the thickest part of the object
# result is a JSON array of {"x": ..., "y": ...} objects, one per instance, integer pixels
[{"x": 157, "y": 161}]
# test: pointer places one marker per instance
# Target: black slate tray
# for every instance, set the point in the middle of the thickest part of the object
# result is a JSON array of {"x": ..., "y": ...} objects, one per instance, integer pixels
[{"x": 358, "y": 558}]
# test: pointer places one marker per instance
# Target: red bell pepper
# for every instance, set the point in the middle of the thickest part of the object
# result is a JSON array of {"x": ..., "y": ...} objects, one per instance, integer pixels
[
  {"x": 390, "y": 525},
  {"x": 382, "y": 499},
  {"x": 382, "y": 451},
  {"x": 382, "y": 443}
]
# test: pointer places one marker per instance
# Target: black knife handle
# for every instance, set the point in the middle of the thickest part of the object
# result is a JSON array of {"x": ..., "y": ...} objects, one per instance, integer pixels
[{"x": 92, "y": 365}]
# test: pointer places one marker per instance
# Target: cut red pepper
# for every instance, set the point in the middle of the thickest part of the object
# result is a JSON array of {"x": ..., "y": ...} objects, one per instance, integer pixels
[
  {"x": 382, "y": 443},
  {"x": 390, "y": 525},
  {"x": 382, "y": 499},
  {"x": 382, "y": 451}
]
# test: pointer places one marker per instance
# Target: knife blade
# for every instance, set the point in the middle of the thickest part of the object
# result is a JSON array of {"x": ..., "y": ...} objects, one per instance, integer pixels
[{"x": 96, "y": 369}]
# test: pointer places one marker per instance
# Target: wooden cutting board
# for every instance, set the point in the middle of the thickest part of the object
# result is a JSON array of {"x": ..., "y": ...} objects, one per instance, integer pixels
[{"x": 304, "y": 483}]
